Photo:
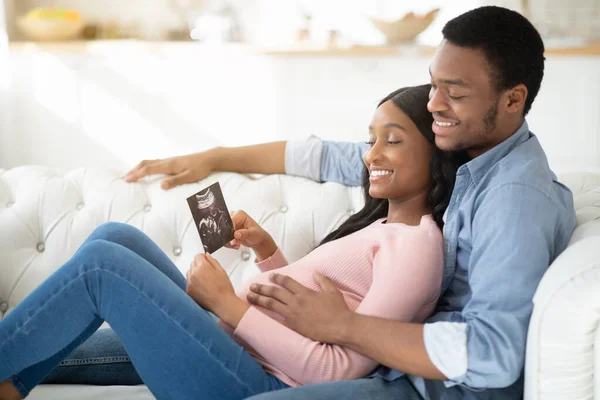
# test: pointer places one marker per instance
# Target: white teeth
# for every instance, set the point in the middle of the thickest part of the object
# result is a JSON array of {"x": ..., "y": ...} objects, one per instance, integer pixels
[
  {"x": 380, "y": 173},
  {"x": 445, "y": 124}
]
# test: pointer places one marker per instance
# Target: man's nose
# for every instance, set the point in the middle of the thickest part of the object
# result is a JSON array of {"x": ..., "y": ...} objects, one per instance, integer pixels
[{"x": 436, "y": 103}]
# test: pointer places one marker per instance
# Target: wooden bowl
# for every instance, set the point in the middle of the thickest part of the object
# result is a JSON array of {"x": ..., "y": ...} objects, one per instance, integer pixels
[
  {"x": 50, "y": 29},
  {"x": 405, "y": 29}
]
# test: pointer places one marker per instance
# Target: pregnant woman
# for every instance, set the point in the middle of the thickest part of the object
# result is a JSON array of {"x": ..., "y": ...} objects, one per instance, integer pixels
[{"x": 386, "y": 260}]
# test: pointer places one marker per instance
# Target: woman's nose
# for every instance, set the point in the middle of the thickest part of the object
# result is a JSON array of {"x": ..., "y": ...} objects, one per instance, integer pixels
[{"x": 373, "y": 154}]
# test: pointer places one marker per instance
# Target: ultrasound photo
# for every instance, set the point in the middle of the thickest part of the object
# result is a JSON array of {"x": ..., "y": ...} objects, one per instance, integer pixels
[{"x": 211, "y": 217}]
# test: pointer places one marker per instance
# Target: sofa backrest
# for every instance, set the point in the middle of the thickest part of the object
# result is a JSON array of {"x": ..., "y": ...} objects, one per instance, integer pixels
[{"x": 46, "y": 215}]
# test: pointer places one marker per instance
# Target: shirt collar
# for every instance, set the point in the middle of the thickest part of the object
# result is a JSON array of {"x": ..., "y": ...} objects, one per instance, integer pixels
[{"x": 479, "y": 166}]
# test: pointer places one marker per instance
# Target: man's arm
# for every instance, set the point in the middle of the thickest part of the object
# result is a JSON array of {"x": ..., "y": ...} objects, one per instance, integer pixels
[
  {"x": 267, "y": 158},
  {"x": 396, "y": 293},
  {"x": 342, "y": 162},
  {"x": 516, "y": 227},
  {"x": 324, "y": 317},
  {"x": 312, "y": 158},
  {"x": 398, "y": 345}
]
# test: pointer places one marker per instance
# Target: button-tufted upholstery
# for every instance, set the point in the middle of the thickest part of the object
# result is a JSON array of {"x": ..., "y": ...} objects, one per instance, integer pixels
[{"x": 45, "y": 216}]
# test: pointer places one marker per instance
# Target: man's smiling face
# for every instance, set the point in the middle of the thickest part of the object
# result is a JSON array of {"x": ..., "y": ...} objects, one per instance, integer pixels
[{"x": 463, "y": 100}]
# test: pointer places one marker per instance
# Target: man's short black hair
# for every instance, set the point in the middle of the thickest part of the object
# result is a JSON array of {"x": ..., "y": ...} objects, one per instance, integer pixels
[{"x": 511, "y": 44}]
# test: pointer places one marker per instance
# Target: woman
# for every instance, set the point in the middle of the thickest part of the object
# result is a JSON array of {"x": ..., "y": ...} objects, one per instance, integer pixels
[{"x": 386, "y": 260}]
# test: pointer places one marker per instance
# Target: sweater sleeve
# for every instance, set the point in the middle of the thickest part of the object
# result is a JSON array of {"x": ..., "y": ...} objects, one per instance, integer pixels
[
  {"x": 277, "y": 260},
  {"x": 398, "y": 291}
]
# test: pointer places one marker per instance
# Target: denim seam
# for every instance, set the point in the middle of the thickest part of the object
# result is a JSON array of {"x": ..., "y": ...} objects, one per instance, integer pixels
[
  {"x": 16, "y": 381},
  {"x": 95, "y": 361}
]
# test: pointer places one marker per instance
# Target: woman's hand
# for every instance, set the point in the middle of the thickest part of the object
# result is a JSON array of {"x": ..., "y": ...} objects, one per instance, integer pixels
[
  {"x": 210, "y": 287},
  {"x": 250, "y": 234}
]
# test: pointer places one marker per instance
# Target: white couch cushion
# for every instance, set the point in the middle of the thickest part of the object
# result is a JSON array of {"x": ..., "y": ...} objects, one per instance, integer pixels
[{"x": 45, "y": 216}]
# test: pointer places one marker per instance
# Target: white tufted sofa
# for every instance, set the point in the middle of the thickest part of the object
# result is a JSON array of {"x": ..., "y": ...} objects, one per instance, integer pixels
[{"x": 45, "y": 216}]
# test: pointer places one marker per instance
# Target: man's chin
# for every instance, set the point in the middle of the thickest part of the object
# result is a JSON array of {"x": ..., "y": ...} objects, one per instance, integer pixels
[{"x": 445, "y": 143}]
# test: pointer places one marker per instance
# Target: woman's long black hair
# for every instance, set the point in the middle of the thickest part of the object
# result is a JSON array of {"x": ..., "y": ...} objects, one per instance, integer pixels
[{"x": 413, "y": 102}]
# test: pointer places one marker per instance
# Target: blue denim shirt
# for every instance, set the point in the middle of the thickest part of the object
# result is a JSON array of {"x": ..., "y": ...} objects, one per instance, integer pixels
[{"x": 508, "y": 219}]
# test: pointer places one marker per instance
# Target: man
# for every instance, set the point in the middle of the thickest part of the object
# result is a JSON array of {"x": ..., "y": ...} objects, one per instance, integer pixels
[{"x": 507, "y": 220}]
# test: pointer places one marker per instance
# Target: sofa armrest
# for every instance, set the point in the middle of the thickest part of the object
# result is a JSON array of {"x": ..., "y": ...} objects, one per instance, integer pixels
[{"x": 563, "y": 345}]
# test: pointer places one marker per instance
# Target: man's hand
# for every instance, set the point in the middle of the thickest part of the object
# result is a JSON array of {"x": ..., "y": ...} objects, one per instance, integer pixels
[
  {"x": 250, "y": 234},
  {"x": 210, "y": 287},
  {"x": 320, "y": 316},
  {"x": 183, "y": 169}
]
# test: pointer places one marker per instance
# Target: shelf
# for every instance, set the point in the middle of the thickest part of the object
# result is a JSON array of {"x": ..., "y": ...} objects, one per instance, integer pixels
[{"x": 110, "y": 46}]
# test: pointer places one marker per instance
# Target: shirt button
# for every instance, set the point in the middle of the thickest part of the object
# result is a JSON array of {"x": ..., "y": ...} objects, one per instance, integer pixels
[
  {"x": 283, "y": 209},
  {"x": 10, "y": 204},
  {"x": 177, "y": 251},
  {"x": 40, "y": 247},
  {"x": 3, "y": 307},
  {"x": 80, "y": 206},
  {"x": 245, "y": 255},
  {"x": 148, "y": 207},
  {"x": 350, "y": 212}
]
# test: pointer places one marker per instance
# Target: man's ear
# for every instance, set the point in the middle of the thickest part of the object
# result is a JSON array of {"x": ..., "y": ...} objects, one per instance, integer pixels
[{"x": 515, "y": 99}]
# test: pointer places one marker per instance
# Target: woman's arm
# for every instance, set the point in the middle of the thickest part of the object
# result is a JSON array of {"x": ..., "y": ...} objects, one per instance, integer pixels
[
  {"x": 247, "y": 232},
  {"x": 406, "y": 277},
  {"x": 276, "y": 261}
]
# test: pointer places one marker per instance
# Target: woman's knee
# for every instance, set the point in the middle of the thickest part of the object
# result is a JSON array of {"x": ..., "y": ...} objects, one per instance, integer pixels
[
  {"x": 101, "y": 255},
  {"x": 116, "y": 232}
]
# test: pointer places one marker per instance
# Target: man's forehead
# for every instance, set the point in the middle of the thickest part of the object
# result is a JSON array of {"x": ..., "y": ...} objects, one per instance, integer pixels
[
  {"x": 449, "y": 78},
  {"x": 457, "y": 65}
]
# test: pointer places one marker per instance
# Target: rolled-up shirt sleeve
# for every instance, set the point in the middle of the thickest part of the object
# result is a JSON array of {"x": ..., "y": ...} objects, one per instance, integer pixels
[
  {"x": 446, "y": 346},
  {"x": 484, "y": 345},
  {"x": 325, "y": 161},
  {"x": 303, "y": 158},
  {"x": 342, "y": 162}
]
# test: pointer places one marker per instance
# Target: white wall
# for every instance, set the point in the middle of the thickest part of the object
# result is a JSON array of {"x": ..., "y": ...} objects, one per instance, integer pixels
[
  {"x": 5, "y": 78},
  {"x": 113, "y": 109}
]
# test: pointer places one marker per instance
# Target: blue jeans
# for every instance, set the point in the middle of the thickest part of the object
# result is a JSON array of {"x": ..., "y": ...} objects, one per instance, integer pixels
[
  {"x": 374, "y": 388},
  {"x": 120, "y": 276},
  {"x": 100, "y": 360}
]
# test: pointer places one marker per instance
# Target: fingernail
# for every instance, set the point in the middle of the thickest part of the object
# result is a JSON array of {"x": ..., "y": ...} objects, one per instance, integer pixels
[
  {"x": 271, "y": 276},
  {"x": 253, "y": 286}
]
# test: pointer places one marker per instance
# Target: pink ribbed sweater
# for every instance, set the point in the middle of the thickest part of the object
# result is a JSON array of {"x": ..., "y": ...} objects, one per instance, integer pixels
[{"x": 392, "y": 271}]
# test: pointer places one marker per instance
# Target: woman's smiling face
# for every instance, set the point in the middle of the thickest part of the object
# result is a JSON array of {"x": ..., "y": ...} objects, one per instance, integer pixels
[{"x": 400, "y": 156}]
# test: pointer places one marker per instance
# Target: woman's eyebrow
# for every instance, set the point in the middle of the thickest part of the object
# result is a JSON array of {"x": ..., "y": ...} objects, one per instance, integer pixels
[
  {"x": 389, "y": 125},
  {"x": 393, "y": 125}
]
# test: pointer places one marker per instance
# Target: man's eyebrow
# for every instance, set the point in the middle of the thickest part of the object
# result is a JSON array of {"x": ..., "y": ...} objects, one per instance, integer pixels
[{"x": 456, "y": 82}]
